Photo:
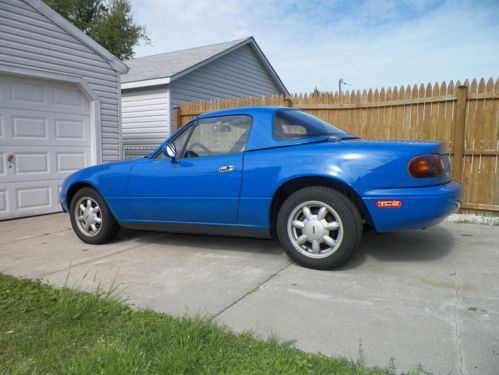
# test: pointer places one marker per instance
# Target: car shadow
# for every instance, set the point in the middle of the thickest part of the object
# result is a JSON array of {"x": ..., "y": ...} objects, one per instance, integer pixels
[
  {"x": 241, "y": 244},
  {"x": 410, "y": 246}
]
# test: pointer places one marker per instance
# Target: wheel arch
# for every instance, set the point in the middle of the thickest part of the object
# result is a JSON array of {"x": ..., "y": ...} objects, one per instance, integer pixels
[
  {"x": 290, "y": 186},
  {"x": 78, "y": 186}
]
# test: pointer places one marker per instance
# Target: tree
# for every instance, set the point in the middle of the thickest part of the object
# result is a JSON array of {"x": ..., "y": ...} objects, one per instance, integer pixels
[{"x": 109, "y": 23}]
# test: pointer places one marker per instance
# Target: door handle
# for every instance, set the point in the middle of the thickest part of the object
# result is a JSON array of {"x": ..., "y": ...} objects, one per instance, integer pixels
[
  {"x": 10, "y": 158},
  {"x": 226, "y": 168}
]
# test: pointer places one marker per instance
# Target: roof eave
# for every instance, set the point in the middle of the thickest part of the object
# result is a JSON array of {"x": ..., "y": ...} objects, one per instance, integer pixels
[
  {"x": 268, "y": 66},
  {"x": 145, "y": 83},
  {"x": 67, "y": 26}
]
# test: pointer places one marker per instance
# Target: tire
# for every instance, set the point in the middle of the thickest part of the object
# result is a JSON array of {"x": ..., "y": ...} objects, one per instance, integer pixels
[
  {"x": 87, "y": 206},
  {"x": 319, "y": 227}
]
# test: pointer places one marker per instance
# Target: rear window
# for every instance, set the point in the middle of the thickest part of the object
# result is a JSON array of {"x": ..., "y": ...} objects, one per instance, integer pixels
[{"x": 291, "y": 124}]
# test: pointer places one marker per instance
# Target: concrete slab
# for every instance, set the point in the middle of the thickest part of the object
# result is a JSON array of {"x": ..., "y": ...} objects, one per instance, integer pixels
[
  {"x": 49, "y": 246},
  {"x": 429, "y": 297},
  {"x": 182, "y": 274},
  {"x": 410, "y": 296},
  {"x": 21, "y": 229}
]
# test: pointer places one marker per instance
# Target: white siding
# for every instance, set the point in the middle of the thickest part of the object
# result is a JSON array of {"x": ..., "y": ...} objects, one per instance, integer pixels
[
  {"x": 30, "y": 40},
  {"x": 145, "y": 118},
  {"x": 237, "y": 74}
]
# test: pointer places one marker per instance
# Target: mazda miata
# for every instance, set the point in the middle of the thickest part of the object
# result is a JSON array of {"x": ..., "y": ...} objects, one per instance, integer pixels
[{"x": 267, "y": 172}]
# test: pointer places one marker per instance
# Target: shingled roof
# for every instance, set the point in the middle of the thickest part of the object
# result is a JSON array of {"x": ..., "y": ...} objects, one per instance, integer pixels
[{"x": 166, "y": 67}]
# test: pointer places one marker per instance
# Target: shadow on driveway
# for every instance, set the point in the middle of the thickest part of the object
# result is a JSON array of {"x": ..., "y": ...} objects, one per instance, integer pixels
[{"x": 410, "y": 246}]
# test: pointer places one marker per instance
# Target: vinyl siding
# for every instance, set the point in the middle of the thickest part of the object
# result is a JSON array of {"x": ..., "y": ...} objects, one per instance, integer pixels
[
  {"x": 145, "y": 119},
  {"x": 237, "y": 74},
  {"x": 30, "y": 40}
]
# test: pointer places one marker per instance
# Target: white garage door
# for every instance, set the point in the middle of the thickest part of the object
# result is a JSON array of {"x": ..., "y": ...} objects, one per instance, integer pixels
[{"x": 44, "y": 137}]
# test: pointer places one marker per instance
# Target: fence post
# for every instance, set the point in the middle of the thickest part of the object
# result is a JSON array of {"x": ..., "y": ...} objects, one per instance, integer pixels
[
  {"x": 177, "y": 118},
  {"x": 459, "y": 128},
  {"x": 287, "y": 101}
]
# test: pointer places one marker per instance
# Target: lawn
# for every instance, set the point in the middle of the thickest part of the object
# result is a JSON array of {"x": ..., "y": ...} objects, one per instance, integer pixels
[{"x": 48, "y": 330}]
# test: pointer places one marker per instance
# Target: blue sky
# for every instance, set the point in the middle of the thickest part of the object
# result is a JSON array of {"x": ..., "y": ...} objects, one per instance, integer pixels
[{"x": 315, "y": 43}]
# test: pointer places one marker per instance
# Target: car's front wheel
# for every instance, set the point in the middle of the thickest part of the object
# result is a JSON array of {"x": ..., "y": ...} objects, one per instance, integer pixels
[
  {"x": 319, "y": 227},
  {"x": 91, "y": 219}
]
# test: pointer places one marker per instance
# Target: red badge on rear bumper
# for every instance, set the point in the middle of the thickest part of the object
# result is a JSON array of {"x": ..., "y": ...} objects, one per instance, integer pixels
[{"x": 389, "y": 204}]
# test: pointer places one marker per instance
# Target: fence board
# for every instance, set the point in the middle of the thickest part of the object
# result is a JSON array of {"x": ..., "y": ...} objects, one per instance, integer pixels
[{"x": 418, "y": 112}]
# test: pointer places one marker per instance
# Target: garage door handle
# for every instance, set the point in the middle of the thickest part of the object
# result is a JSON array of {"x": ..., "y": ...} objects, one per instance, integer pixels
[
  {"x": 226, "y": 168},
  {"x": 10, "y": 158}
]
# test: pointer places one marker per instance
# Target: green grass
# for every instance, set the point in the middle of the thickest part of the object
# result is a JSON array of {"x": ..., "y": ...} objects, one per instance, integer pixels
[{"x": 47, "y": 330}]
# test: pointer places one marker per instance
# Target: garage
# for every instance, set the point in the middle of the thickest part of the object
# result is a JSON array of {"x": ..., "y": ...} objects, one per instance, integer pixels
[
  {"x": 59, "y": 106},
  {"x": 44, "y": 136}
]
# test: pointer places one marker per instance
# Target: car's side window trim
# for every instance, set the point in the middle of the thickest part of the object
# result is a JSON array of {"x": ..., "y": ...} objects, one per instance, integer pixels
[{"x": 190, "y": 130}]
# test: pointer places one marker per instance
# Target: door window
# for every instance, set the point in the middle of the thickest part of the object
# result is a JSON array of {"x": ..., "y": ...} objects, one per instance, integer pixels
[
  {"x": 179, "y": 143},
  {"x": 218, "y": 136}
]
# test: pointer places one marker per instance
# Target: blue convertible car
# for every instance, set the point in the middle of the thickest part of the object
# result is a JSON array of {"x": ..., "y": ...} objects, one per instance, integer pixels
[{"x": 267, "y": 172}]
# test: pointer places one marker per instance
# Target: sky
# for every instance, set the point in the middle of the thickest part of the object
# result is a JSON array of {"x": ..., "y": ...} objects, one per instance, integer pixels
[{"x": 315, "y": 43}]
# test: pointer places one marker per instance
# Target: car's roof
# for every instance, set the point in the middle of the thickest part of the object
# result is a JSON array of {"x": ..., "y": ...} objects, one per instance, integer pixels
[{"x": 242, "y": 111}]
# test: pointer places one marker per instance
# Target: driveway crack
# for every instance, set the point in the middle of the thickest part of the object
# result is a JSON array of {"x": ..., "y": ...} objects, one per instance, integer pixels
[
  {"x": 456, "y": 321},
  {"x": 250, "y": 291}
]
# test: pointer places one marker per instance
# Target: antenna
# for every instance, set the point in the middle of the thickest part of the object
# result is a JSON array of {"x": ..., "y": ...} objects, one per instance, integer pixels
[{"x": 340, "y": 83}]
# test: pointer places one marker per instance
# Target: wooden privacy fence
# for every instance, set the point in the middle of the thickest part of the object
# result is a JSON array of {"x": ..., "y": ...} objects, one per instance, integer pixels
[{"x": 463, "y": 116}]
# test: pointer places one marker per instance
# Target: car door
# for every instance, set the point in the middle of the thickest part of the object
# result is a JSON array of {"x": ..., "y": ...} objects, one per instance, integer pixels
[{"x": 202, "y": 183}]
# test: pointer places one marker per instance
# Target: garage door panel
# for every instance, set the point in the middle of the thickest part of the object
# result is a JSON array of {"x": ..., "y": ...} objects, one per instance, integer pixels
[
  {"x": 2, "y": 164},
  {"x": 4, "y": 204},
  {"x": 26, "y": 127},
  {"x": 71, "y": 161},
  {"x": 47, "y": 162},
  {"x": 41, "y": 95},
  {"x": 72, "y": 130},
  {"x": 36, "y": 197},
  {"x": 29, "y": 128},
  {"x": 29, "y": 163},
  {"x": 25, "y": 92},
  {"x": 2, "y": 131},
  {"x": 68, "y": 98},
  {"x": 29, "y": 198},
  {"x": 45, "y": 129}
]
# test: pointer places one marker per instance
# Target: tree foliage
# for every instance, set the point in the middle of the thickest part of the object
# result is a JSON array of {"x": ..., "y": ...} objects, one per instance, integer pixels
[{"x": 109, "y": 23}]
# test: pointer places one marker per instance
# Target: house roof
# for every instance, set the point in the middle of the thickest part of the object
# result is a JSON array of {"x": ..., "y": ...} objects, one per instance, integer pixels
[
  {"x": 166, "y": 67},
  {"x": 67, "y": 26}
]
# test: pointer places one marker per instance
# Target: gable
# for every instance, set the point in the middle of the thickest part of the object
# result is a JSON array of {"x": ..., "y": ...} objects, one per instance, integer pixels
[{"x": 239, "y": 73}]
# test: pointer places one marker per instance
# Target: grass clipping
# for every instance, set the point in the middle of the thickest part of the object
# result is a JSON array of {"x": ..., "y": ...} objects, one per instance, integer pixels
[{"x": 47, "y": 330}]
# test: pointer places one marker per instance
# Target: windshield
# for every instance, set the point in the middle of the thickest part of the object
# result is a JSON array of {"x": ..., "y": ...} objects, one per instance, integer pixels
[{"x": 291, "y": 123}]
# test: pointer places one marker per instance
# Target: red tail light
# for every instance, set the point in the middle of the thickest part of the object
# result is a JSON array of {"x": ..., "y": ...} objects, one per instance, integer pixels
[{"x": 424, "y": 166}]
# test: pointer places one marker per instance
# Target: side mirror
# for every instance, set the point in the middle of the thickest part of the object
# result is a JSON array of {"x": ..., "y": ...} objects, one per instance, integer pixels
[{"x": 170, "y": 150}]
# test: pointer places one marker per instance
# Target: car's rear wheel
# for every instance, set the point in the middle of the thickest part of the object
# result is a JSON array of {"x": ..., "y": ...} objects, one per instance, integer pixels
[
  {"x": 319, "y": 227},
  {"x": 91, "y": 219}
]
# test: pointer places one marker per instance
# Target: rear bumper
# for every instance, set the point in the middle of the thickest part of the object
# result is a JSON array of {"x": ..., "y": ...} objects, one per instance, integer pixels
[{"x": 421, "y": 207}]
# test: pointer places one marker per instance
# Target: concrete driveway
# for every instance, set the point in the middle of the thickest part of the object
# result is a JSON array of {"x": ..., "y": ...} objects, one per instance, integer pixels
[{"x": 429, "y": 297}]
